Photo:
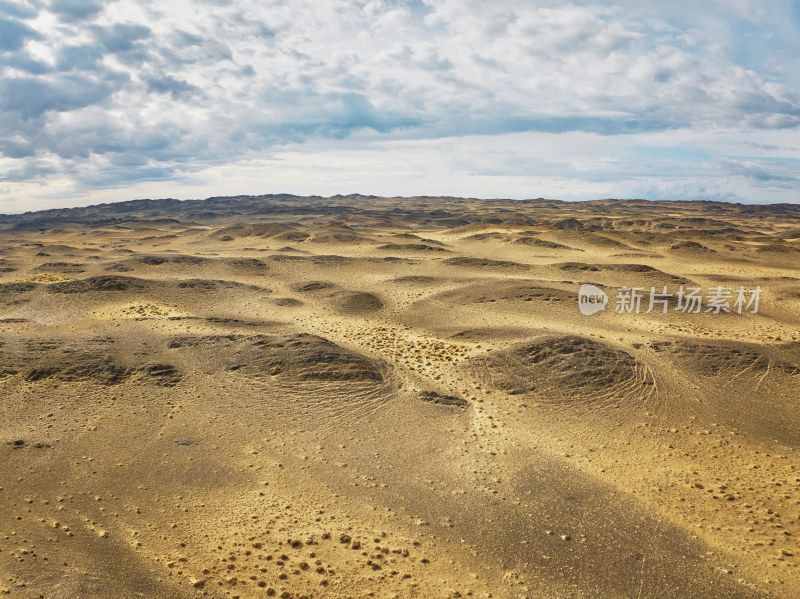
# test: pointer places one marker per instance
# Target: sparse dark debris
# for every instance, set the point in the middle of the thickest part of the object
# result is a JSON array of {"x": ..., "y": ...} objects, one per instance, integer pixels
[{"x": 443, "y": 400}]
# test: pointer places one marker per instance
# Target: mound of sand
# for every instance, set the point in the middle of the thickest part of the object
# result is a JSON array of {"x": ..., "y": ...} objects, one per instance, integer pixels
[
  {"x": 410, "y": 247},
  {"x": 471, "y": 262},
  {"x": 353, "y": 302},
  {"x": 713, "y": 359},
  {"x": 570, "y": 369},
  {"x": 108, "y": 283},
  {"x": 314, "y": 286},
  {"x": 98, "y": 361},
  {"x": 64, "y": 268},
  {"x": 443, "y": 400},
  {"x": 345, "y": 238},
  {"x": 416, "y": 279},
  {"x": 529, "y": 240},
  {"x": 252, "y": 230},
  {"x": 297, "y": 356},
  {"x": 690, "y": 245}
]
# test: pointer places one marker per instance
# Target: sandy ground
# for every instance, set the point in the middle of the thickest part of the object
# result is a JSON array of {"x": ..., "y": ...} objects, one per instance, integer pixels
[{"x": 385, "y": 397}]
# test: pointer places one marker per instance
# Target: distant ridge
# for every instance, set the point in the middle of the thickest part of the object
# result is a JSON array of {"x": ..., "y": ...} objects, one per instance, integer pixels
[{"x": 442, "y": 210}]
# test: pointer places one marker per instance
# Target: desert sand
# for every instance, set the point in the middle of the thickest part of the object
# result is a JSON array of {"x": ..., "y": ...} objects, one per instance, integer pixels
[{"x": 396, "y": 397}]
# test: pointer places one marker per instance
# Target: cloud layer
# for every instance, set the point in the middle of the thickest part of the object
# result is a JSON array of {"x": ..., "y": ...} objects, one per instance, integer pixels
[{"x": 645, "y": 98}]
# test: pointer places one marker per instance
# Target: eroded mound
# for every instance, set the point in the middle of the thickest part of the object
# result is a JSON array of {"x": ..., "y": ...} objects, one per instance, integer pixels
[
  {"x": 316, "y": 259},
  {"x": 295, "y": 236},
  {"x": 106, "y": 361},
  {"x": 61, "y": 267},
  {"x": 411, "y": 247},
  {"x": 314, "y": 286},
  {"x": 339, "y": 238},
  {"x": 567, "y": 224},
  {"x": 119, "y": 283},
  {"x": 505, "y": 291},
  {"x": 440, "y": 399},
  {"x": 251, "y": 263},
  {"x": 357, "y": 301},
  {"x": 568, "y": 369},
  {"x": 418, "y": 238},
  {"x": 252, "y": 230},
  {"x": 96, "y": 361},
  {"x": 102, "y": 283},
  {"x": 182, "y": 259},
  {"x": 215, "y": 285},
  {"x": 287, "y": 302},
  {"x": 532, "y": 241},
  {"x": 416, "y": 279},
  {"x": 645, "y": 271},
  {"x": 712, "y": 359},
  {"x": 690, "y": 245},
  {"x": 298, "y": 356},
  {"x": 481, "y": 262},
  {"x": 17, "y": 288},
  {"x": 490, "y": 236}
]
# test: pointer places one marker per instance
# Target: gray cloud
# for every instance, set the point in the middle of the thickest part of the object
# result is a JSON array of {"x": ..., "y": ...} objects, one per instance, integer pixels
[
  {"x": 764, "y": 171},
  {"x": 80, "y": 58},
  {"x": 14, "y": 33},
  {"x": 21, "y": 61},
  {"x": 31, "y": 97},
  {"x": 29, "y": 170},
  {"x": 74, "y": 10},
  {"x": 20, "y": 9},
  {"x": 15, "y": 148},
  {"x": 169, "y": 85}
]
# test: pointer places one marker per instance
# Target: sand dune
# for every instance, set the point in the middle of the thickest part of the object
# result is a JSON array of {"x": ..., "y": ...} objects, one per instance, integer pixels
[{"x": 278, "y": 396}]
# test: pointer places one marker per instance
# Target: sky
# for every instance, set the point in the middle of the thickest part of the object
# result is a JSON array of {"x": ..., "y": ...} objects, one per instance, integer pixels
[{"x": 105, "y": 101}]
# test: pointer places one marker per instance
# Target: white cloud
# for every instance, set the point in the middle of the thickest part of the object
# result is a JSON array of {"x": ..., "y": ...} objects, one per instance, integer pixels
[{"x": 140, "y": 91}]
